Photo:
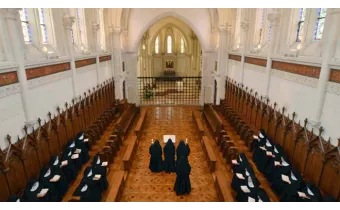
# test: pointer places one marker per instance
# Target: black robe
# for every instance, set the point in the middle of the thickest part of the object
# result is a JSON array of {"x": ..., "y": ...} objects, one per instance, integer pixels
[
  {"x": 312, "y": 192},
  {"x": 99, "y": 169},
  {"x": 290, "y": 192},
  {"x": 70, "y": 169},
  {"x": 262, "y": 135},
  {"x": 156, "y": 162},
  {"x": 90, "y": 173},
  {"x": 242, "y": 163},
  {"x": 262, "y": 196},
  {"x": 182, "y": 150},
  {"x": 182, "y": 184},
  {"x": 260, "y": 156},
  {"x": 84, "y": 146},
  {"x": 276, "y": 178},
  {"x": 88, "y": 191},
  {"x": 254, "y": 187},
  {"x": 30, "y": 195},
  {"x": 169, "y": 157},
  {"x": 58, "y": 188}
]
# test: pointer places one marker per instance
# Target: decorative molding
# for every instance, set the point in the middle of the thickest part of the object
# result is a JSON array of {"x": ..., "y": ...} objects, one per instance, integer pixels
[
  {"x": 8, "y": 78},
  {"x": 235, "y": 57},
  {"x": 304, "y": 80},
  {"x": 335, "y": 76},
  {"x": 86, "y": 68},
  {"x": 85, "y": 62},
  {"x": 9, "y": 90},
  {"x": 256, "y": 61},
  {"x": 33, "y": 83},
  {"x": 333, "y": 87},
  {"x": 309, "y": 71},
  {"x": 105, "y": 58},
  {"x": 37, "y": 72}
]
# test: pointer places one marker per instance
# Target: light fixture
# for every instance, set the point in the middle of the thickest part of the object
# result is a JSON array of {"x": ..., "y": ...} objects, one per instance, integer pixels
[
  {"x": 44, "y": 49},
  {"x": 258, "y": 46},
  {"x": 143, "y": 46},
  {"x": 238, "y": 46}
]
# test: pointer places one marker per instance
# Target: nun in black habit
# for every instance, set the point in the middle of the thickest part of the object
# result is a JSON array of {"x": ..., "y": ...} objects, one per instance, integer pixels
[
  {"x": 91, "y": 175},
  {"x": 99, "y": 167},
  {"x": 292, "y": 187},
  {"x": 280, "y": 175},
  {"x": 183, "y": 149},
  {"x": 248, "y": 191},
  {"x": 169, "y": 157},
  {"x": 88, "y": 191},
  {"x": 156, "y": 162},
  {"x": 182, "y": 183},
  {"x": 73, "y": 160},
  {"x": 66, "y": 165},
  {"x": 82, "y": 144},
  {"x": 36, "y": 192},
  {"x": 262, "y": 154},
  {"x": 240, "y": 163},
  {"x": 56, "y": 182},
  {"x": 257, "y": 139},
  {"x": 312, "y": 193}
]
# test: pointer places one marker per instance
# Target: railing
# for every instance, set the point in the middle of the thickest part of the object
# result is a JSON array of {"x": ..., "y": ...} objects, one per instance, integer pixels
[{"x": 169, "y": 90}]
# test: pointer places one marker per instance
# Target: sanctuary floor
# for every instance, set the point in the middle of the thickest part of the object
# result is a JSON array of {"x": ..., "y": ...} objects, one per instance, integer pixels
[{"x": 142, "y": 185}]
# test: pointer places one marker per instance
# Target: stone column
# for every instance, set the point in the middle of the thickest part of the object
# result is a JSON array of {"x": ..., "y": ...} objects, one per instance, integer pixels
[
  {"x": 329, "y": 40},
  {"x": 273, "y": 19},
  {"x": 227, "y": 50},
  {"x": 5, "y": 39},
  {"x": 222, "y": 57},
  {"x": 11, "y": 16},
  {"x": 207, "y": 83},
  {"x": 68, "y": 21},
  {"x": 111, "y": 31},
  {"x": 117, "y": 59},
  {"x": 245, "y": 29},
  {"x": 95, "y": 29}
]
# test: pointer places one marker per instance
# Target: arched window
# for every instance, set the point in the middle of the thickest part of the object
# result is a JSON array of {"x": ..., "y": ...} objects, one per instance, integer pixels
[
  {"x": 26, "y": 29},
  {"x": 157, "y": 45},
  {"x": 79, "y": 30},
  {"x": 301, "y": 24},
  {"x": 43, "y": 29},
  {"x": 322, "y": 12},
  {"x": 102, "y": 29},
  {"x": 182, "y": 45},
  {"x": 169, "y": 44}
]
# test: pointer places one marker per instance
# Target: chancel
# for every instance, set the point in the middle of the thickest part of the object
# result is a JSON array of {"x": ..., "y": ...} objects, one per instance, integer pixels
[{"x": 169, "y": 104}]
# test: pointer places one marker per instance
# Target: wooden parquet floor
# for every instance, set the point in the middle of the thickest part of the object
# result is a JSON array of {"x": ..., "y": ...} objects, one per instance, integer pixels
[{"x": 142, "y": 185}]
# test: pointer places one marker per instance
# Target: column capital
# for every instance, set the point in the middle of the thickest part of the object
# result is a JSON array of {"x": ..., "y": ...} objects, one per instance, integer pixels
[
  {"x": 68, "y": 21},
  {"x": 95, "y": 27},
  {"x": 273, "y": 18},
  {"x": 10, "y": 13},
  {"x": 117, "y": 31},
  {"x": 245, "y": 25},
  {"x": 222, "y": 28}
]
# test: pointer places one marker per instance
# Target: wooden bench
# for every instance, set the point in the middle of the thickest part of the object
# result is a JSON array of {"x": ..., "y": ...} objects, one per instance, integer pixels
[
  {"x": 125, "y": 120},
  {"x": 223, "y": 187},
  {"x": 116, "y": 187},
  {"x": 213, "y": 119},
  {"x": 129, "y": 152},
  {"x": 209, "y": 152},
  {"x": 140, "y": 123},
  {"x": 196, "y": 115}
]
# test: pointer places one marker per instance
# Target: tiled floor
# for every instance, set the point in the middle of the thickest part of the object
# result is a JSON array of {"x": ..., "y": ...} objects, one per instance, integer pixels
[{"x": 142, "y": 185}]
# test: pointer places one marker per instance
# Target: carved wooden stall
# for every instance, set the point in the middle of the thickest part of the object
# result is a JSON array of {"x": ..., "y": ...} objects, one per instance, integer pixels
[
  {"x": 317, "y": 160},
  {"x": 22, "y": 160}
]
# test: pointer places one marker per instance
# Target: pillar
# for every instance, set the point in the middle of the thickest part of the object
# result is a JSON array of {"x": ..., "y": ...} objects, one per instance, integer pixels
[
  {"x": 95, "y": 29},
  {"x": 222, "y": 58},
  {"x": 245, "y": 29},
  {"x": 11, "y": 16},
  {"x": 329, "y": 41},
  {"x": 273, "y": 19},
  {"x": 68, "y": 21},
  {"x": 117, "y": 60}
]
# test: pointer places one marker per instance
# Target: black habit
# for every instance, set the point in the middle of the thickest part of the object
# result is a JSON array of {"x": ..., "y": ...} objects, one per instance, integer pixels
[
  {"x": 182, "y": 184},
  {"x": 156, "y": 162},
  {"x": 169, "y": 157}
]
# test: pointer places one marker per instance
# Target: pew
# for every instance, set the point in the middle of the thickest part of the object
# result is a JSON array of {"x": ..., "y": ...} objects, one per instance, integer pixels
[
  {"x": 129, "y": 152},
  {"x": 140, "y": 123},
  {"x": 214, "y": 121},
  {"x": 116, "y": 187},
  {"x": 196, "y": 115},
  {"x": 222, "y": 187},
  {"x": 209, "y": 152},
  {"x": 126, "y": 119}
]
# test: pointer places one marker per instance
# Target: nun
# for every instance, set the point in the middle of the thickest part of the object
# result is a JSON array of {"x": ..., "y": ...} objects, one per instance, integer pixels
[
  {"x": 263, "y": 154},
  {"x": 257, "y": 139},
  {"x": 262, "y": 196},
  {"x": 56, "y": 182},
  {"x": 248, "y": 191},
  {"x": 292, "y": 187},
  {"x": 156, "y": 162},
  {"x": 36, "y": 192},
  {"x": 273, "y": 161},
  {"x": 91, "y": 175},
  {"x": 72, "y": 159},
  {"x": 182, "y": 183},
  {"x": 78, "y": 147},
  {"x": 99, "y": 167},
  {"x": 63, "y": 167},
  {"x": 310, "y": 193},
  {"x": 82, "y": 144},
  {"x": 169, "y": 157},
  {"x": 88, "y": 191},
  {"x": 183, "y": 149},
  {"x": 280, "y": 175},
  {"x": 240, "y": 163}
]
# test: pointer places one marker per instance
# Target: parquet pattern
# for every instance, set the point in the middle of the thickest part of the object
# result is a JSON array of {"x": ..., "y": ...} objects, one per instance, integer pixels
[{"x": 142, "y": 185}]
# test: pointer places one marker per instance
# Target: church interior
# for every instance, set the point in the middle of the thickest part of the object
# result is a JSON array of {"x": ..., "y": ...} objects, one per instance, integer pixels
[{"x": 169, "y": 104}]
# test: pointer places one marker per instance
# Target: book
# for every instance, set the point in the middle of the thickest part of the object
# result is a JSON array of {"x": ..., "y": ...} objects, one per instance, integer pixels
[
  {"x": 75, "y": 156},
  {"x": 42, "y": 192},
  {"x": 285, "y": 178},
  {"x": 269, "y": 153},
  {"x": 234, "y": 162},
  {"x": 64, "y": 163},
  {"x": 97, "y": 177},
  {"x": 303, "y": 195},
  {"x": 245, "y": 189},
  {"x": 104, "y": 163},
  {"x": 255, "y": 137},
  {"x": 86, "y": 140},
  {"x": 276, "y": 163},
  {"x": 250, "y": 199},
  {"x": 55, "y": 178},
  {"x": 77, "y": 151},
  {"x": 240, "y": 176}
]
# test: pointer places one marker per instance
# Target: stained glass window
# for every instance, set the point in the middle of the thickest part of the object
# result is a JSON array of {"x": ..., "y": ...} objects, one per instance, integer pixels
[
  {"x": 157, "y": 45},
  {"x": 269, "y": 31},
  {"x": 169, "y": 43},
  {"x": 182, "y": 45},
  {"x": 43, "y": 30},
  {"x": 301, "y": 24},
  {"x": 102, "y": 29},
  {"x": 322, "y": 12},
  {"x": 26, "y": 29}
]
